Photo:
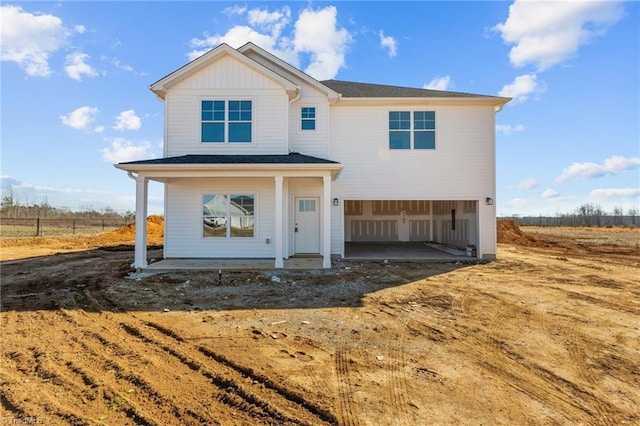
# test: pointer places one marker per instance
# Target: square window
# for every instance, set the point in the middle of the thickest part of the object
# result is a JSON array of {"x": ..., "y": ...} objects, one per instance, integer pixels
[
  {"x": 424, "y": 140},
  {"x": 240, "y": 132},
  {"x": 226, "y": 121},
  {"x": 412, "y": 130},
  {"x": 212, "y": 132},
  {"x": 399, "y": 140},
  {"x": 228, "y": 216}
]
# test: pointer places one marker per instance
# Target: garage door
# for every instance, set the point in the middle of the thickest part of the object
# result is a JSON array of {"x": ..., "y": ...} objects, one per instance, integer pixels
[{"x": 374, "y": 230}]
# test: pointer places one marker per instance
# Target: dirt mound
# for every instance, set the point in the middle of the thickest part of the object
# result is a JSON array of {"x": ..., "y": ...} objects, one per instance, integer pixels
[
  {"x": 510, "y": 233},
  {"x": 155, "y": 230}
]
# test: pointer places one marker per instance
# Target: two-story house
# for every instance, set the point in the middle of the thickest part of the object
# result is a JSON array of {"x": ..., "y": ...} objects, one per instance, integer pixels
[{"x": 263, "y": 161}]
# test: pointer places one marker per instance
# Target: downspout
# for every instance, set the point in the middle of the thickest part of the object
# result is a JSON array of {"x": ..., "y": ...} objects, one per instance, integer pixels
[
  {"x": 132, "y": 176},
  {"x": 296, "y": 99}
]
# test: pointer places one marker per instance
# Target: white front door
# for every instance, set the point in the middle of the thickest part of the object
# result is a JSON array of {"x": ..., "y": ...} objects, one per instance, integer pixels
[{"x": 307, "y": 225}]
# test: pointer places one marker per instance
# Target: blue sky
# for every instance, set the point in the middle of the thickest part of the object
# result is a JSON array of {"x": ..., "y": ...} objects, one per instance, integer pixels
[{"x": 75, "y": 79}]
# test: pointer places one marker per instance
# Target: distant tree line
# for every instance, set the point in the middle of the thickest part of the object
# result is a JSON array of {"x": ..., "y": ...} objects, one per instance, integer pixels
[
  {"x": 584, "y": 215},
  {"x": 11, "y": 208}
]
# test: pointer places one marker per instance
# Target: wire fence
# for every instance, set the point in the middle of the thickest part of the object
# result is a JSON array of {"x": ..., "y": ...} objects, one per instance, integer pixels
[{"x": 40, "y": 227}]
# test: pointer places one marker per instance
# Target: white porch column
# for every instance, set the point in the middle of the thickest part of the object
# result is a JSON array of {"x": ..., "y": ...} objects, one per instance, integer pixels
[
  {"x": 279, "y": 223},
  {"x": 140, "y": 256},
  {"x": 326, "y": 223}
]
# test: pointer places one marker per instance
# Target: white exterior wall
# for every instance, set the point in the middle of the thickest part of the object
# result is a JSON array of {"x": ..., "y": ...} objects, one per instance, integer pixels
[
  {"x": 184, "y": 228},
  {"x": 310, "y": 142},
  {"x": 227, "y": 78},
  {"x": 462, "y": 167}
]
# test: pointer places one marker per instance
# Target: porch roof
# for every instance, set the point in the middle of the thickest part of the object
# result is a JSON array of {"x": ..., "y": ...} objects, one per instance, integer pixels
[{"x": 292, "y": 164}]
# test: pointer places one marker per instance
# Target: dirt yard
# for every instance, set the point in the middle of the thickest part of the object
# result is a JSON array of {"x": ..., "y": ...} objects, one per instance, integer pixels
[{"x": 548, "y": 334}]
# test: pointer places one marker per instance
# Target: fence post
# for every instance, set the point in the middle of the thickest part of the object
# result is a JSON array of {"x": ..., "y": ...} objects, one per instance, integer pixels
[
  {"x": 74, "y": 226},
  {"x": 37, "y": 227}
]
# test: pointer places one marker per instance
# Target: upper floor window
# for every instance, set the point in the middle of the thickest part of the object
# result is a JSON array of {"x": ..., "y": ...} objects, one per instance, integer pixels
[
  {"x": 409, "y": 130},
  {"x": 308, "y": 118},
  {"x": 226, "y": 121}
]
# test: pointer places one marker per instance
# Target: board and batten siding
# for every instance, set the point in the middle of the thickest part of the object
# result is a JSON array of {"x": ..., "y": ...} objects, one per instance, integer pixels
[
  {"x": 226, "y": 79},
  {"x": 184, "y": 228}
]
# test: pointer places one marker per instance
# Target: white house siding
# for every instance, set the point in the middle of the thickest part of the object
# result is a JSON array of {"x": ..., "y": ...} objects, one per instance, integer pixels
[
  {"x": 460, "y": 168},
  {"x": 310, "y": 142},
  {"x": 227, "y": 78},
  {"x": 184, "y": 230}
]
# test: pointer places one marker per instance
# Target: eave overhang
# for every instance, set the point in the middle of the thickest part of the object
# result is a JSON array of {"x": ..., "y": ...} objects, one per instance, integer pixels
[{"x": 167, "y": 172}]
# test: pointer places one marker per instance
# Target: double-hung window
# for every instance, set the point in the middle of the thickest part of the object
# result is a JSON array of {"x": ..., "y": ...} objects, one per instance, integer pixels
[
  {"x": 308, "y": 118},
  {"x": 228, "y": 215},
  {"x": 226, "y": 121},
  {"x": 412, "y": 129}
]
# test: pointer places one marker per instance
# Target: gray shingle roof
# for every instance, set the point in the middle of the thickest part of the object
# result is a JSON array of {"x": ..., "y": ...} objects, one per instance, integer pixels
[
  {"x": 350, "y": 89},
  {"x": 292, "y": 158}
]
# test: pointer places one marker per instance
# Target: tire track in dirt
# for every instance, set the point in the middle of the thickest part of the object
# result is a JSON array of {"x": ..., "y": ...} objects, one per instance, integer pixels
[
  {"x": 277, "y": 402},
  {"x": 137, "y": 388},
  {"x": 490, "y": 351},
  {"x": 247, "y": 372},
  {"x": 345, "y": 389}
]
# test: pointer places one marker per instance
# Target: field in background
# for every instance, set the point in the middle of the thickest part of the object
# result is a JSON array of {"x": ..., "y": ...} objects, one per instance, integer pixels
[{"x": 55, "y": 227}]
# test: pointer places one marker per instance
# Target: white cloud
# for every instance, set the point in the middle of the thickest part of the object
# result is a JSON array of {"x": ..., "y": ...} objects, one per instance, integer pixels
[
  {"x": 528, "y": 183},
  {"x": 80, "y": 118},
  {"x": 545, "y": 33},
  {"x": 235, "y": 10},
  {"x": 550, "y": 193},
  {"x": 612, "y": 165},
  {"x": 315, "y": 36},
  {"x": 508, "y": 129},
  {"x": 80, "y": 29},
  {"x": 389, "y": 43},
  {"x": 122, "y": 150},
  {"x": 522, "y": 87},
  {"x": 518, "y": 202},
  {"x": 316, "y": 33},
  {"x": 615, "y": 192},
  {"x": 273, "y": 22},
  {"x": 439, "y": 83},
  {"x": 128, "y": 120},
  {"x": 116, "y": 63},
  {"x": 29, "y": 39},
  {"x": 270, "y": 23},
  {"x": 76, "y": 66}
]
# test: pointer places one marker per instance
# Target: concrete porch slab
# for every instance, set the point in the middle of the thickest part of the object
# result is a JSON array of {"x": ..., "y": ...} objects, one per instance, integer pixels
[
  {"x": 406, "y": 251},
  {"x": 197, "y": 264}
]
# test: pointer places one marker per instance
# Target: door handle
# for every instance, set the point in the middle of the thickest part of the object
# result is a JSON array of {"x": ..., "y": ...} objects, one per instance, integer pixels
[{"x": 295, "y": 229}]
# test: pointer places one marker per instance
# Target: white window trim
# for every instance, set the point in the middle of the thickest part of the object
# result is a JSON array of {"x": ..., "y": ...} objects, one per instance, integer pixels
[
  {"x": 228, "y": 237},
  {"x": 300, "y": 129},
  {"x": 226, "y": 121},
  {"x": 411, "y": 130}
]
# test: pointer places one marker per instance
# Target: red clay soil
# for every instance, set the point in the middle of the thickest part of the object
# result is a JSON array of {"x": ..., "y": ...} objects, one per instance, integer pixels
[{"x": 510, "y": 233}]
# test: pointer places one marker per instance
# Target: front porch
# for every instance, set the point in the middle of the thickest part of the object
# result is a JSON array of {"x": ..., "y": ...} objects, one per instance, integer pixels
[{"x": 287, "y": 211}]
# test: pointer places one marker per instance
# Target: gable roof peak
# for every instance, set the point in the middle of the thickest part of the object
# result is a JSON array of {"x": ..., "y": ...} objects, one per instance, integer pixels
[{"x": 160, "y": 87}]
